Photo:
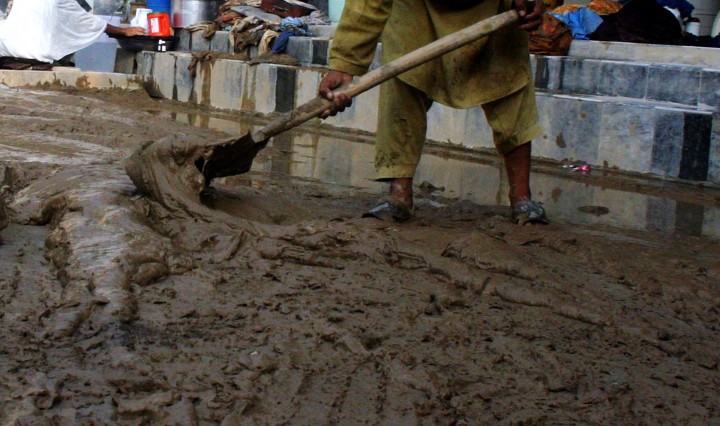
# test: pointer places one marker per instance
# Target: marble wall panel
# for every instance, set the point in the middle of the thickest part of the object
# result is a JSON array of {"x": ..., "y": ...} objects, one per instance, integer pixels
[
  {"x": 301, "y": 48},
  {"x": 580, "y": 76},
  {"x": 714, "y": 155},
  {"x": 673, "y": 84},
  {"x": 546, "y": 71},
  {"x": 163, "y": 74},
  {"x": 220, "y": 42},
  {"x": 627, "y": 137},
  {"x": 623, "y": 79},
  {"x": 198, "y": 42},
  {"x": 226, "y": 84},
  {"x": 667, "y": 149},
  {"x": 710, "y": 88},
  {"x": 183, "y": 82}
]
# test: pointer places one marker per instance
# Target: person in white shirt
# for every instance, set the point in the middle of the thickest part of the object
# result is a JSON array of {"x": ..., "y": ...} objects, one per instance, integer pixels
[{"x": 47, "y": 30}]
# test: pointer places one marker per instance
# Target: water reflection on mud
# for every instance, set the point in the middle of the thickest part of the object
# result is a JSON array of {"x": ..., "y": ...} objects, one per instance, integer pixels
[{"x": 600, "y": 197}]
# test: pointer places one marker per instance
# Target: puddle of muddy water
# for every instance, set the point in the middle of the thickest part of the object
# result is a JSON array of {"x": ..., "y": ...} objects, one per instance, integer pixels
[{"x": 345, "y": 160}]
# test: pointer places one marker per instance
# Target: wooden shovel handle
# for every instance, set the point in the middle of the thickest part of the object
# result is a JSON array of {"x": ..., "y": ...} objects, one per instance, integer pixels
[{"x": 392, "y": 69}]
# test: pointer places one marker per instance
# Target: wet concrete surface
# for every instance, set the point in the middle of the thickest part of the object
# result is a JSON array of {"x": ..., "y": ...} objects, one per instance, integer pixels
[
  {"x": 115, "y": 309},
  {"x": 589, "y": 197}
]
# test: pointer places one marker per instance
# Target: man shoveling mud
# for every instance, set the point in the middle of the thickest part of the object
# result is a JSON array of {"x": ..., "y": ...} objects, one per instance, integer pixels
[{"x": 493, "y": 72}]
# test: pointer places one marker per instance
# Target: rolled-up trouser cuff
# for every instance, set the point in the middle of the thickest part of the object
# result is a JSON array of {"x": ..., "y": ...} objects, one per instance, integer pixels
[
  {"x": 402, "y": 124},
  {"x": 513, "y": 119},
  {"x": 395, "y": 172},
  {"x": 519, "y": 139}
]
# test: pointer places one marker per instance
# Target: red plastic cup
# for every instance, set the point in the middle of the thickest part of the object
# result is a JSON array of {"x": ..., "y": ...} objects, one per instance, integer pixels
[{"x": 159, "y": 24}]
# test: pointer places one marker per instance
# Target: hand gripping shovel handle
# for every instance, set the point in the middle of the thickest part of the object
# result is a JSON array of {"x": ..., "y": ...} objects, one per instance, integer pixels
[{"x": 392, "y": 69}]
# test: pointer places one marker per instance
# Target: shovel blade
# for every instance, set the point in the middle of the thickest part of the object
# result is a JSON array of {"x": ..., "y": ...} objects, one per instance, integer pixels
[
  {"x": 175, "y": 170},
  {"x": 229, "y": 157}
]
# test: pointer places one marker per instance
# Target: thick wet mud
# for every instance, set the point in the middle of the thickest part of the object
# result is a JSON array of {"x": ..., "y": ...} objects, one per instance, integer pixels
[{"x": 289, "y": 309}]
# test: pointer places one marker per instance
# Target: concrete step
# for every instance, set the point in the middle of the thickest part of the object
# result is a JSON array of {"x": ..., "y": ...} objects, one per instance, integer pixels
[
  {"x": 649, "y": 53},
  {"x": 72, "y": 77},
  {"x": 686, "y": 85},
  {"x": 310, "y": 51},
  {"x": 696, "y": 86},
  {"x": 629, "y": 134}
]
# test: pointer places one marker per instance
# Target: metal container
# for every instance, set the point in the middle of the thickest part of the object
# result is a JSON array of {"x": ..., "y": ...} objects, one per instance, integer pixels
[{"x": 188, "y": 12}]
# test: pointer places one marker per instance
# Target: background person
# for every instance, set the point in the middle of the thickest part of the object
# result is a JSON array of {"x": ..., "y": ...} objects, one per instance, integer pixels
[{"x": 47, "y": 30}]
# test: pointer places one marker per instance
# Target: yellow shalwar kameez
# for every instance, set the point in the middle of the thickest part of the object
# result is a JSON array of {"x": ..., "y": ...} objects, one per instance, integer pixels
[{"x": 494, "y": 72}]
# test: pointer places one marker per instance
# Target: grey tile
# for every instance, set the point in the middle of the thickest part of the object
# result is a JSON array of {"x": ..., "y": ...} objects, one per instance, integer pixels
[
  {"x": 579, "y": 76},
  {"x": 673, "y": 84},
  {"x": 574, "y": 131},
  {"x": 285, "y": 88},
  {"x": 124, "y": 62},
  {"x": 540, "y": 72},
  {"x": 710, "y": 88},
  {"x": 164, "y": 74},
  {"x": 714, "y": 157},
  {"x": 627, "y": 136},
  {"x": 586, "y": 134},
  {"x": 183, "y": 82},
  {"x": 667, "y": 149},
  {"x": 220, "y": 42},
  {"x": 320, "y": 51},
  {"x": 561, "y": 131},
  {"x": 184, "y": 40},
  {"x": 623, "y": 79},
  {"x": 301, "y": 49},
  {"x": 198, "y": 43},
  {"x": 555, "y": 66},
  {"x": 697, "y": 136},
  {"x": 145, "y": 61}
]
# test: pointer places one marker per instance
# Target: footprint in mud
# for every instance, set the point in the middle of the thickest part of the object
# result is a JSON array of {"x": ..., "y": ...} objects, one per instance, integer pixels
[{"x": 594, "y": 210}]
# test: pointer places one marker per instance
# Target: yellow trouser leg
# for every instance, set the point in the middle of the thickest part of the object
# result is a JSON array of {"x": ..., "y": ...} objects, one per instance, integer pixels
[{"x": 402, "y": 123}]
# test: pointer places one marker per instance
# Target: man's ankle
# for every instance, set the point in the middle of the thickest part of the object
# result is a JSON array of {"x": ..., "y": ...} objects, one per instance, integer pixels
[
  {"x": 401, "y": 190},
  {"x": 516, "y": 199}
]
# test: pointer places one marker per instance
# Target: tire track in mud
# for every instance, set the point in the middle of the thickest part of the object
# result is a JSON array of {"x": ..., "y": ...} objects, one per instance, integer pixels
[{"x": 280, "y": 387}]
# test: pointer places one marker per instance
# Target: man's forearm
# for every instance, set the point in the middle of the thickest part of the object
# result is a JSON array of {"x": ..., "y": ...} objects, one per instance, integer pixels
[{"x": 126, "y": 31}]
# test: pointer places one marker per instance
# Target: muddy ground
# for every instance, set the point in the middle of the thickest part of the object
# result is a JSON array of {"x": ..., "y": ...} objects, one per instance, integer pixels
[{"x": 116, "y": 310}]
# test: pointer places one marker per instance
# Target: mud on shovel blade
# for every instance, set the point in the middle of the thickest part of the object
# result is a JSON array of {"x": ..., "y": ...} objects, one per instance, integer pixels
[
  {"x": 237, "y": 157},
  {"x": 175, "y": 170}
]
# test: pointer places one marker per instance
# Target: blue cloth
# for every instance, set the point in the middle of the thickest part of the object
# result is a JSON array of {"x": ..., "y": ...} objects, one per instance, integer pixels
[
  {"x": 294, "y": 22},
  {"x": 581, "y": 22},
  {"x": 289, "y": 27},
  {"x": 280, "y": 43},
  {"x": 683, "y": 6}
]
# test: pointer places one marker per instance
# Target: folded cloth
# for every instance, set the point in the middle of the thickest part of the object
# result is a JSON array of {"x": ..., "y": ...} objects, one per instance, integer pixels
[
  {"x": 581, "y": 22},
  {"x": 47, "y": 30}
]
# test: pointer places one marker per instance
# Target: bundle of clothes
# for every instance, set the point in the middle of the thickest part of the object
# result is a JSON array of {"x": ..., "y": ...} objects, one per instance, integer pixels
[
  {"x": 634, "y": 21},
  {"x": 249, "y": 25}
]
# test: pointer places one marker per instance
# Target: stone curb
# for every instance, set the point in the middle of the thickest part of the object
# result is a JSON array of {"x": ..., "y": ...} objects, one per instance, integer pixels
[
  {"x": 696, "y": 86},
  {"x": 631, "y": 135},
  {"x": 72, "y": 77}
]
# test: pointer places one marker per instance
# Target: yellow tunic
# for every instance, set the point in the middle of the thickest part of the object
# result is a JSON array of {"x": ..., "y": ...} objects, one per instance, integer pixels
[{"x": 481, "y": 72}]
